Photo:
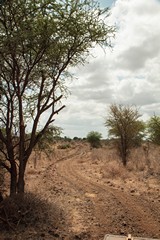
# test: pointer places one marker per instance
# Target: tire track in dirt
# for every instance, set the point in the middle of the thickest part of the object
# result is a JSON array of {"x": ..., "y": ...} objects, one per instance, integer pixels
[
  {"x": 76, "y": 217},
  {"x": 132, "y": 205},
  {"x": 140, "y": 217}
]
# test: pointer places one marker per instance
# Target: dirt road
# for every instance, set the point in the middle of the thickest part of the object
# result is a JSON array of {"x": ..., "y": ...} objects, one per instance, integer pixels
[
  {"x": 92, "y": 195},
  {"x": 94, "y": 207}
]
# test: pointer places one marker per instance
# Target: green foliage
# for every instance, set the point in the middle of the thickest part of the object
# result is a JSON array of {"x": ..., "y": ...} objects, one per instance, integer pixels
[
  {"x": 40, "y": 41},
  {"x": 94, "y": 139},
  {"x": 64, "y": 146},
  {"x": 67, "y": 139},
  {"x": 124, "y": 125},
  {"x": 153, "y": 129},
  {"x": 45, "y": 144},
  {"x": 76, "y": 138}
]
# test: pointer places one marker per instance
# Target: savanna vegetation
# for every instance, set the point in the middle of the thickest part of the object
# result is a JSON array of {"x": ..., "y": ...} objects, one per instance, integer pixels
[
  {"x": 124, "y": 125},
  {"x": 40, "y": 41},
  {"x": 94, "y": 138}
]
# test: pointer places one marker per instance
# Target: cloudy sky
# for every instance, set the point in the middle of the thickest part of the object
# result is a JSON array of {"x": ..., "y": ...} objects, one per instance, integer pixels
[{"x": 129, "y": 74}]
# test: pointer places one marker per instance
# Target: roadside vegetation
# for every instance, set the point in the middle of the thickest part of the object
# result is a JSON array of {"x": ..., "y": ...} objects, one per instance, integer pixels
[
  {"x": 40, "y": 42},
  {"x": 20, "y": 213},
  {"x": 125, "y": 127},
  {"x": 94, "y": 138}
]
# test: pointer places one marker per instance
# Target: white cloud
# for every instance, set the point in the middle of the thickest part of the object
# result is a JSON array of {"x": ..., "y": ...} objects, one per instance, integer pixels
[{"x": 130, "y": 74}]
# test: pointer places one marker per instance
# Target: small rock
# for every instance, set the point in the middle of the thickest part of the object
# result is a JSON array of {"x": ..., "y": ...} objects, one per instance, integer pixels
[
  {"x": 133, "y": 191},
  {"x": 77, "y": 237},
  {"x": 122, "y": 232},
  {"x": 56, "y": 235},
  {"x": 124, "y": 224},
  {"x": 42, "y": 234}
]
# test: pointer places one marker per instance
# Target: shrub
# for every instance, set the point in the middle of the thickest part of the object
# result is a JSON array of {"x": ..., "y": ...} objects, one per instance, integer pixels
[
  {"x": 24, "y": 210},
  {"x": 114, "y": 170},
  {"x": 94, "y": 139},
  {"x": 64, "y": 146}
]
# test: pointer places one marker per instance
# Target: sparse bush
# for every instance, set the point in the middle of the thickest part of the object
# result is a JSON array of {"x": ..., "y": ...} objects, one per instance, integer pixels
[
  {"x": 125, "y": 127},
  {"x": 67, "y": 139},
  {"x": 24, "y": 210},
  {"x": 77, "y": 138},
  {"x": 114, "y": 170},
  {"x": 64, "y": 146},
  {"x": 153, "y": 127},
  {"x": 94, "y": 139}
]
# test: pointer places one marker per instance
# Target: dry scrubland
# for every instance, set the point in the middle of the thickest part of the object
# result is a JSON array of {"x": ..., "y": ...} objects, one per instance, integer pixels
[{"x": 84, "y": 193}]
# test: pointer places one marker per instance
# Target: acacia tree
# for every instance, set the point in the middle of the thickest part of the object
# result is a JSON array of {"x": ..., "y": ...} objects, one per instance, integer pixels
[
  {"x": 125, "y": 127},
  {"x": 153, "y": 129},
  {"x": 46, "y": 143},
  {"x": 40, "y": 40}
]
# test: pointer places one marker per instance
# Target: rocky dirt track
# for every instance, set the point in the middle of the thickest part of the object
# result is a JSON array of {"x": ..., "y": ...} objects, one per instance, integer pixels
[
  {"x": 97, "y": 209},
  {"x": 95, "y": 206},
  {"x": 91, "y": 204}
]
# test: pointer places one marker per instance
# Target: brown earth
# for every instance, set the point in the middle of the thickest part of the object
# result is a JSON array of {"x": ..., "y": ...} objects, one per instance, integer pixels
[{"x": 94, "y": 195}]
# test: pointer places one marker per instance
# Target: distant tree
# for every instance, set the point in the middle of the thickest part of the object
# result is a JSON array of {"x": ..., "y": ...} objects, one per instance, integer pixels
[
  {"x": 94, "y": 139},
  {"x": 2, "y": 2},
  {"x": 46, "y": 143},
  {"x": 67, "y": 139},
  {"x": 153, "y": 129},
  {"x": 40, "y": 40},
  {"x": 76, "y": 138},
  {"x": 124, "y": 126}
]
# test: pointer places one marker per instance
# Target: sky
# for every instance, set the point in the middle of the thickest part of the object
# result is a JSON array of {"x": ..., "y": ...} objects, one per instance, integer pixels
[{"x": 129, "y": 74}]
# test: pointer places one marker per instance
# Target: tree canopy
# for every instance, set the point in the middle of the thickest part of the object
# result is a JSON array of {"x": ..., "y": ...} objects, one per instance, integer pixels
[
  {"x": 94, "y": 138},
  {"x": 153, "y": 129},
  {"x": 40, "y": 40},
  {"x": 124, "y": 125}
]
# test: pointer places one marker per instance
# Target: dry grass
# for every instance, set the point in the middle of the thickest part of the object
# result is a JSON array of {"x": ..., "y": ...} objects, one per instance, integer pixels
[
  {"x": 140, "y": 162},
  {"x": 146, "y": 162},
  {"x": 27, "y": 210},
  {"x": 105, "y": 158},
  {"x": 104, "y": 154},
  {"x": 114, "y": 170},
  {"x": 102, "y": 164}
]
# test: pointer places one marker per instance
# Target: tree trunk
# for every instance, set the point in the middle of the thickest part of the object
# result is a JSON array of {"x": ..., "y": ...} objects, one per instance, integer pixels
[
  {"x": 21, "y": 182},
  {"x": 17, "y": 184},
  {"x": 1, "y": 197},
  {"x": 124, "y": 159},
  {"x": 13, "y": 184},
  {"x": 123, "y": 152}
]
